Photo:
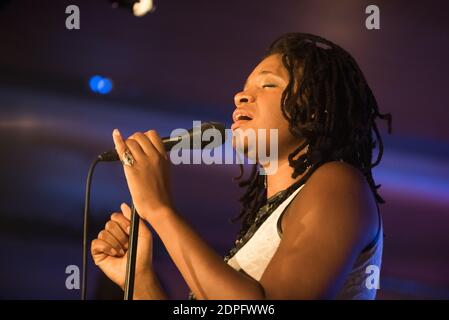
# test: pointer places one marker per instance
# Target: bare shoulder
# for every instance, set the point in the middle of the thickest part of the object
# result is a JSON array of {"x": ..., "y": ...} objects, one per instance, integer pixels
[
  {"x": 337, "y": 172},
  {"x": 338, "y": 195},
  {"x": 326, "y": 227}
]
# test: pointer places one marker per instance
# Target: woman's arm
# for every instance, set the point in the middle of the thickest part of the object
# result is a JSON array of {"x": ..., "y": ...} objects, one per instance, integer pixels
[
  {"x": 325, "y": 232},
  {"x": 204, "y": 271},
  {"x": 147, "y": 287}
]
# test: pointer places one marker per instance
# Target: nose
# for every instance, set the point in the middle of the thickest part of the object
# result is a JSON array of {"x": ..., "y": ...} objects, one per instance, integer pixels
[{"x": 242, "y": 98}]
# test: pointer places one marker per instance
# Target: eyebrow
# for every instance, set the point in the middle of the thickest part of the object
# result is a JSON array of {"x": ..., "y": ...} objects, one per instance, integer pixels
[{"x": 260, "y": 73}]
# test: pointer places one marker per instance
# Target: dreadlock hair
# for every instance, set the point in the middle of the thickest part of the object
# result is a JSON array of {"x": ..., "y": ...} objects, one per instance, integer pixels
[{"x": 329, "y": 105}]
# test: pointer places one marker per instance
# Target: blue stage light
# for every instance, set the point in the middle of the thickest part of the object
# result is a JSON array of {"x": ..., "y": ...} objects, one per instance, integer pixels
[
  {"x": 93, "y": 83},
  {"x": 104, "y": 86},
  {"x": 99, "y": 84}
]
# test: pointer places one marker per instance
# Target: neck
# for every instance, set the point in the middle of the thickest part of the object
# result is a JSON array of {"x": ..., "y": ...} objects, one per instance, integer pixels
[{"x": 282, "y": 179}]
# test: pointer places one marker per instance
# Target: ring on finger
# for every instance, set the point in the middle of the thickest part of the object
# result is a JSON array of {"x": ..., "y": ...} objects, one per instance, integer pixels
[{"x": 127, "y": 158}]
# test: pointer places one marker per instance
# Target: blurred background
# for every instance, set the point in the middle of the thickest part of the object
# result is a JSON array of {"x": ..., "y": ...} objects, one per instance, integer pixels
[{"x": 184, "y": 61}]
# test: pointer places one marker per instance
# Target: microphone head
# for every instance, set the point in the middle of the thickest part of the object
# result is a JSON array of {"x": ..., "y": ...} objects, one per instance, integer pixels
[{"x": 217, "y": 135}]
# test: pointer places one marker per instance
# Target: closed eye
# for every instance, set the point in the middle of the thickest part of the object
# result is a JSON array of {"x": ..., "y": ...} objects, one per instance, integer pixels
[{"x": 269, "y": 86}]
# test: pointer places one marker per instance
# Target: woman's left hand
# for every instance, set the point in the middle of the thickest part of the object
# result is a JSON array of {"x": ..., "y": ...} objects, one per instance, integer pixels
[{"x": 148, "y": 177}]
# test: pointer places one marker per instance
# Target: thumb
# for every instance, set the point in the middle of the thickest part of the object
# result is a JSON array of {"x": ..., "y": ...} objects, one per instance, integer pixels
[{"x": 126, "y": 210}]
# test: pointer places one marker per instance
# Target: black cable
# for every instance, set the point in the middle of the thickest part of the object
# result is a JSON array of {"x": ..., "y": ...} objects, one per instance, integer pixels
[
  {"x": 86, "y": 227},
  {"x": 134, "y": 231}
]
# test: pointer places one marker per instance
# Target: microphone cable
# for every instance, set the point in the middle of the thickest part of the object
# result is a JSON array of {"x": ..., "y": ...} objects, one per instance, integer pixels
[{"x": 86, "y": 227}]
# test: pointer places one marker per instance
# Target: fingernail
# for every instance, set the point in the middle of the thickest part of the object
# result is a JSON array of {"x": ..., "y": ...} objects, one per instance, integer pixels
[
  {"x": 127, "y": 229},
  {"x": 116, "y": 132},
  {"x": 122, "y": 252},
  {"x": 113, "y": 251}
]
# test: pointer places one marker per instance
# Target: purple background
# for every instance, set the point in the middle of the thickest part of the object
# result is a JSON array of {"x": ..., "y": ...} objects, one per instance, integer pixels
[{"x": 185, "y": 62}]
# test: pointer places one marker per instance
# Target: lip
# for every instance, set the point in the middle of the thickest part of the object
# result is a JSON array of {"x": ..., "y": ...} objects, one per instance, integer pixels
[
  {"x": 237, "y": 123},
  {"x": 240, "y": 112}
]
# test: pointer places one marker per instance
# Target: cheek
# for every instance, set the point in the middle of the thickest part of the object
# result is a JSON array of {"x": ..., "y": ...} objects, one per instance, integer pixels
[
  {"x": 284, "y": 138},
  {"x": 270, "y": 114},
  {"x": 273, "y": 120}
]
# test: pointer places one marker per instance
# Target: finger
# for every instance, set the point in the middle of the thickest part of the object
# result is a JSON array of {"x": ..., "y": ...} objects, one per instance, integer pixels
[
  {"x": 136, "y": 149},
  {"x": 114, "y": 228},
  {"x": 99, "y": 246},
  {"x": 157, "y": 142},
  {"x": 122, "y": 221},
  {"x": 146, "y": 144},
  {"x": 127, "y": 215},
  {"x": 107, "y": 237},
  {"x": 126, "y": 212},
  {"x": 119, "y": 143},
  {"x": 121, "y": 146}
]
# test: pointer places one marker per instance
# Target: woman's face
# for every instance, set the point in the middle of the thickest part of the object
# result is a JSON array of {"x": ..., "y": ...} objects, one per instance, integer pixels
[{"x": 260, "y": 101}]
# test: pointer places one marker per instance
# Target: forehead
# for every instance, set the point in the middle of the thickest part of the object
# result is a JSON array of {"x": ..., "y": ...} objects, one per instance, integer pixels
[{"x": 271, "y": 63}]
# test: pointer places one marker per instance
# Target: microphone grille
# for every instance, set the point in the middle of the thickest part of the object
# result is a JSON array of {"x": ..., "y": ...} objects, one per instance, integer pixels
[{"x": 214, "y": 126}]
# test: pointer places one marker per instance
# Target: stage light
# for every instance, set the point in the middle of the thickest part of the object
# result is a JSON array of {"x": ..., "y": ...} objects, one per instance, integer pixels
[
  {"x": 93, "y": 83},
  {"x": 138, "y": 7},
  {"x": 104, "y": 86},
  {"x": 142, "y": 7},
  {"x": 99, "y": 84}
]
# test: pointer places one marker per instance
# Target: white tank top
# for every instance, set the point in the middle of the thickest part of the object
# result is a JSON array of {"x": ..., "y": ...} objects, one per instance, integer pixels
[{"x": 254, "y": 256}]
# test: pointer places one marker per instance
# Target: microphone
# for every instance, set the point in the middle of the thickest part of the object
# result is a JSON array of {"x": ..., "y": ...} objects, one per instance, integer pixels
[{"x": 194, "y": 135}]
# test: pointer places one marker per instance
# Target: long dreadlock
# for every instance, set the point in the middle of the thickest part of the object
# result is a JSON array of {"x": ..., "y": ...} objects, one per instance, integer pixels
[{"x": 329, "y": 105}]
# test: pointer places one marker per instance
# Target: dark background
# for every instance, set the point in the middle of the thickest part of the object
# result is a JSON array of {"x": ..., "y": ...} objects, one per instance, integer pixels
[{"x": 183, "y": 62}]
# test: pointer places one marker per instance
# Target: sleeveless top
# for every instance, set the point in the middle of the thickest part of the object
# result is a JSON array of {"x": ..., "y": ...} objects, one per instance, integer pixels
[{"x": 254, "y": 251}]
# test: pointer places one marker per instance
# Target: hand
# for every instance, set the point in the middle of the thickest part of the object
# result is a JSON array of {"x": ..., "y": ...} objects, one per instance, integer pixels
[
  {"x": 110, "y": 248},
  {"x": 148, "y": 177}
]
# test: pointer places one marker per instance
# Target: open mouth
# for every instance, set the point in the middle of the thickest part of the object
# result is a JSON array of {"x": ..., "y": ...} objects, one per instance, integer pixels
[
  {"x": 240, "y": 119},
  {"x": 243, "y": 117}
]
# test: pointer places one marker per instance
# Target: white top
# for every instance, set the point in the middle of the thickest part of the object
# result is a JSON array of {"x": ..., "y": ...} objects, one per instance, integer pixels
[{"x": 255, "y": 255}]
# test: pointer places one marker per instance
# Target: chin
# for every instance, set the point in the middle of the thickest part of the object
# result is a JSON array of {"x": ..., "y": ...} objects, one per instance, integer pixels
[{"x": 242, "y": 146}]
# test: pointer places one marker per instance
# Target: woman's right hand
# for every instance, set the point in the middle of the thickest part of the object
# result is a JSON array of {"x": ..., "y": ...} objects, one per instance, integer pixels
[{"x": 110, "y": 248}]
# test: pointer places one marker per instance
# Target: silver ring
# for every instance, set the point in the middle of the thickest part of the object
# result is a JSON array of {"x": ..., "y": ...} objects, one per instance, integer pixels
[{"x": 127, "y": 158}]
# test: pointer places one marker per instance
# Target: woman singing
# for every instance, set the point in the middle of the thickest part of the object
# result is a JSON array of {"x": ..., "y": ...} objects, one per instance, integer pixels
[{"x": 312, "y": 229}]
